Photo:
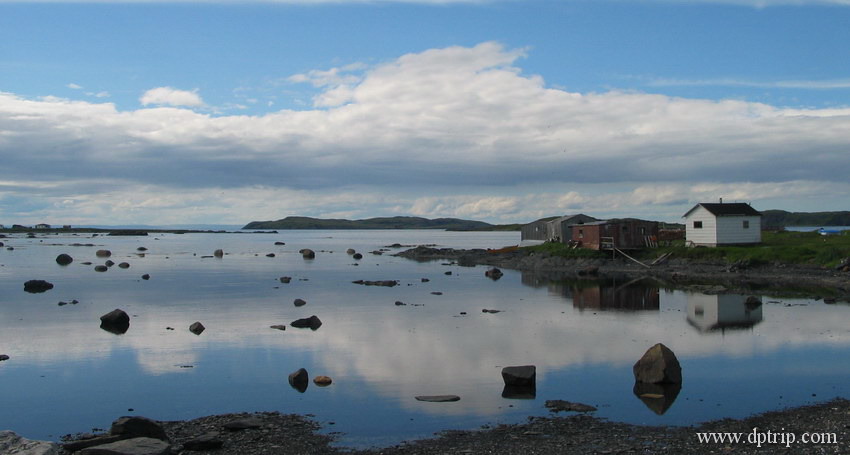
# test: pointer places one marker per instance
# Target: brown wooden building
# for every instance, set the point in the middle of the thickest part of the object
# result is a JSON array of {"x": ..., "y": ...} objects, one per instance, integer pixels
[{"x": 623, "y": 233}]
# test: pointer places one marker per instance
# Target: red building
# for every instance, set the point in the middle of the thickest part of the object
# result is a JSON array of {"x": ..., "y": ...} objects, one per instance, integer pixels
[{"x": 624, "y": 234}]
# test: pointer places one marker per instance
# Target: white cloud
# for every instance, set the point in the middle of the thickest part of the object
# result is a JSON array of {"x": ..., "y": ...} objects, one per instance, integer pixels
[
  {"x": 459, "y": 131},
  {"x": 74, "y": 86},
  {"x": 167, "y": 96}
]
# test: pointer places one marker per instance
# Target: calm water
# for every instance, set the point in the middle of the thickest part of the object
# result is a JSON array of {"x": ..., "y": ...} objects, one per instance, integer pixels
[{"x": 67, "y": 375}]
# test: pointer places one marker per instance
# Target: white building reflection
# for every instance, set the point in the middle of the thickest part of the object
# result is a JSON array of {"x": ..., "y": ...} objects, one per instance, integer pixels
[{"x": 722, "y": 312}]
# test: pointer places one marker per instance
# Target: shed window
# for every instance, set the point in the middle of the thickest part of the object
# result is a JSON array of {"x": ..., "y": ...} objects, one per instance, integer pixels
[
  {"x": 697, "y": 224},
  {"x": 746, "y": 224},
  {"x": 580, "y": 234}
]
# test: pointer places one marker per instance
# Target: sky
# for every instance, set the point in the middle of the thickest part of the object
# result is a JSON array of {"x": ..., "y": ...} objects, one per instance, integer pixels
[{"x": 225, "y": 112}]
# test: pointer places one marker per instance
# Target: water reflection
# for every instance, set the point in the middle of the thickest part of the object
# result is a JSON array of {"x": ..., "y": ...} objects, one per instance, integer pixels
[
  {"x": 721, "y": 312},
  {"x": 604, "y": 294},
  {"x": 657, "y": 397}
]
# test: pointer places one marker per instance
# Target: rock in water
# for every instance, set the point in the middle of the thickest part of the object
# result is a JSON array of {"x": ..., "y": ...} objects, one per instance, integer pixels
[
  {"x": 307, "y": 253},
  {"x": 299, "y": 302},
  {"x": 322, "y": 381},
  {"x": 285, "y": 279},
  {"x": 36, "y": 286},
  {"x": 103, "y": 253},
  {"x": 493, "y": 273},
  {"x": 438, "y": 398},
  {"x": 116, "y": 321},
  {"x": 312, "y": 323},
  {"x": 197, "y": 328},
  {"x": 218, "y": 253},
  {"x": 523, "y": 376},
  {"x": 64, "y": 259},
  {"x": 299, "y": 380},
  {"x": 658, "y": 366},
  {"x": 11, "y": 443},
  {"x": 569, "y": 406}
]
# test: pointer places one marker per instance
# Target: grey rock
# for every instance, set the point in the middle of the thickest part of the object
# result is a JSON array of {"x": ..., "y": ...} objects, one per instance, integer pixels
[
  {"x": 218, "y": 253},
  {"x": 243, "y": 424},
  {"x": 197, "y": 328},
  {"x": 285, "y": 279},
  {"x": 270, "y": 255},
  {"x": 13, "y": 444},
  {"x": 523, "y": 376},
  {"x": 80, "y": 444},
  {"x": 438, "y": 398},
  {"x": 37, "y": 286},
  {"x": 658, "y": 366},
  {"x": 124, "y": 265},
  {"x": 138, "y": 426},
  {"x": 134, "y": 446},
  {"x": 299, "y": 302},
  {"x": 103, "y": 253},
  {"x": 109, "y": 263},
  {"x": 64, "y": 259},
  {"x": 350, "y": 251},
  {"x": 208, "y": 441},
  {"x": 307, "y": 253},
  {"x": 313, "y": 323},
  {"x": 100, "y": 268}
]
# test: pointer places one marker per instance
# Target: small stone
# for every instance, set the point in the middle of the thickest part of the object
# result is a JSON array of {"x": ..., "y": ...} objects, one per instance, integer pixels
[
  {"x": 561, "y": 405},
  {"x": 208, "y": 441},
  {"x": 322, "y": 381},
  {"x": 197, "y": 328},
  {"x": 313, "y": 323},
  {"x": 109, "y": 263},
  {"x": 37, "y": 286},
  {"x": 285, "y": 279},
  {"x": 279, "y": 327},
  {"x": 218, "y": 253},
  {"x": 299, "y": 302},
  {"x": 103, "y": 253},
  {"x": 100, "y": 268},
  {"x": 279, "y": 243},
  {"x": 124, "y": 265},
  {"x": 307, "y": 253},
  {"x": 146, "y": 276},
  {"x": 270, "y": 255},
  {"x": 357, "y": 256}
]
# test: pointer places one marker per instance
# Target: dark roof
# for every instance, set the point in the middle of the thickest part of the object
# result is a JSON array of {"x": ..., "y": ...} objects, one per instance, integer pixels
[{"x": 732, "y": 209}]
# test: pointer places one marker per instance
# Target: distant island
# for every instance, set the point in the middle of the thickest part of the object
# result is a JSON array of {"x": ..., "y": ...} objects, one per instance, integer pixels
[
  {"x": 781, "y": 218},
  {"x": 396, "y": 222}
]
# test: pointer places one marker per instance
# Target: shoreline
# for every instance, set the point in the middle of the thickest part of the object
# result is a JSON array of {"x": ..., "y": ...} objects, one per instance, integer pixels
[{"x": 276, "y": 433}]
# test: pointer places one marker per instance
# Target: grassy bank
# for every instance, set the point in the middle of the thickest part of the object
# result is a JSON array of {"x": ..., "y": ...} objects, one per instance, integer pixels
[{"x": 809, "y": 248}]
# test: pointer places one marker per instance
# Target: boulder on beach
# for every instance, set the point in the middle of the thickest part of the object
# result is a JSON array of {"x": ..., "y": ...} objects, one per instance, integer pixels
[
  {"x": 658, "y": 366},
  {"x": 64, "y": 259},
  {"x": 299, "y": 380},
  {"x": 387, "y": 283},
  {"x": 270, "y": 255},
  {"x": 103, "y": 253},
  {"x": 524, "y": 375},
  {"x": 137, "y": 427},
  {"x": 36, "y": 286},
  {"x": 197, "y": 328}
]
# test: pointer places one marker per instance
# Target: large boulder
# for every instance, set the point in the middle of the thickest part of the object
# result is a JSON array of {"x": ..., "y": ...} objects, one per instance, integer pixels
[
  {"x": 312, "y": 323},
  {"x": 521, "y": 376},
  {"x": 36, "y": 286},
  {"x": 658, "y": 366},
  {"x": 64, "y": 259},
  {"x": 11, "y": 443},
  {"x": 134, "y": 446},
  {"x": 137, "y": 427}
]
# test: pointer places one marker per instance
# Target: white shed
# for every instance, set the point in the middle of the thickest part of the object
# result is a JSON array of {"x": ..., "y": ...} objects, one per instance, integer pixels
[{"x": 722, "y": 224}]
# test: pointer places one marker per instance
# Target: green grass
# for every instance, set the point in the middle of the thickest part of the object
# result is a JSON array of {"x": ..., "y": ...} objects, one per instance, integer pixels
[
  {"x": 787, "y": 247},
  {"x": 563, "y": 250}
]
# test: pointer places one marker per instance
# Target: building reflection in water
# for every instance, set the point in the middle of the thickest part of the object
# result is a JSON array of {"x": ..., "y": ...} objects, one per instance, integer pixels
[
  {"x": 601, "y": 294},
  {"x": 718, "y": 313}
]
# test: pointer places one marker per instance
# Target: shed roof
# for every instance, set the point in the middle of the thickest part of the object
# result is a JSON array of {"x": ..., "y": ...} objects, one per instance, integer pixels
[{"x": 721, "y": 209}]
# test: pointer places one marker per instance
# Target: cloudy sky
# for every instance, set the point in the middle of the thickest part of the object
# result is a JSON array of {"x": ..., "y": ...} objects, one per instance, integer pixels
[{"x": 155, "y": 112}]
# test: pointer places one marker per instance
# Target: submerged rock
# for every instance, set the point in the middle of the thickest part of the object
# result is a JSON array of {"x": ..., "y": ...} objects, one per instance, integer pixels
[
  {"x": 658, "y": 365},
  {"x": 438, "y": 398},
  {"x": 562, "y": 405},
  {"x": 387, "y": 283}
]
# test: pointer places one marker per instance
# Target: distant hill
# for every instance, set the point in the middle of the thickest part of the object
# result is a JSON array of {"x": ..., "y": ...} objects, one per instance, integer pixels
[
  {"x": 777, "y": 218},
  {"x": 396, "y": 222}
]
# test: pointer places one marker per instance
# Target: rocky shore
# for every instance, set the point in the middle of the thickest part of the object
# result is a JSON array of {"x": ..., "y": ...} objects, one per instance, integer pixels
[
  {"x": 274, "y": 433},
  {"x": 784, "y": 279}
]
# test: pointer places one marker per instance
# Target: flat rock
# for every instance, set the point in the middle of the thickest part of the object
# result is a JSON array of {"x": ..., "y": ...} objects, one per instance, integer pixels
[
  {"x": 312, "y": 323},
  {"x": 75, "y": 446},
  {"x": 134, "y": 446},
  {"x": 209, "y": 441},
  {"x": 243, "y": 424},
  {"x": 279, "y": 327},
  {"x": 13, "y": 444},
  {"x": 438, "y": 398},
  {"x": 322, "y": 381},
  {"x": 562, "y": 405}
]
